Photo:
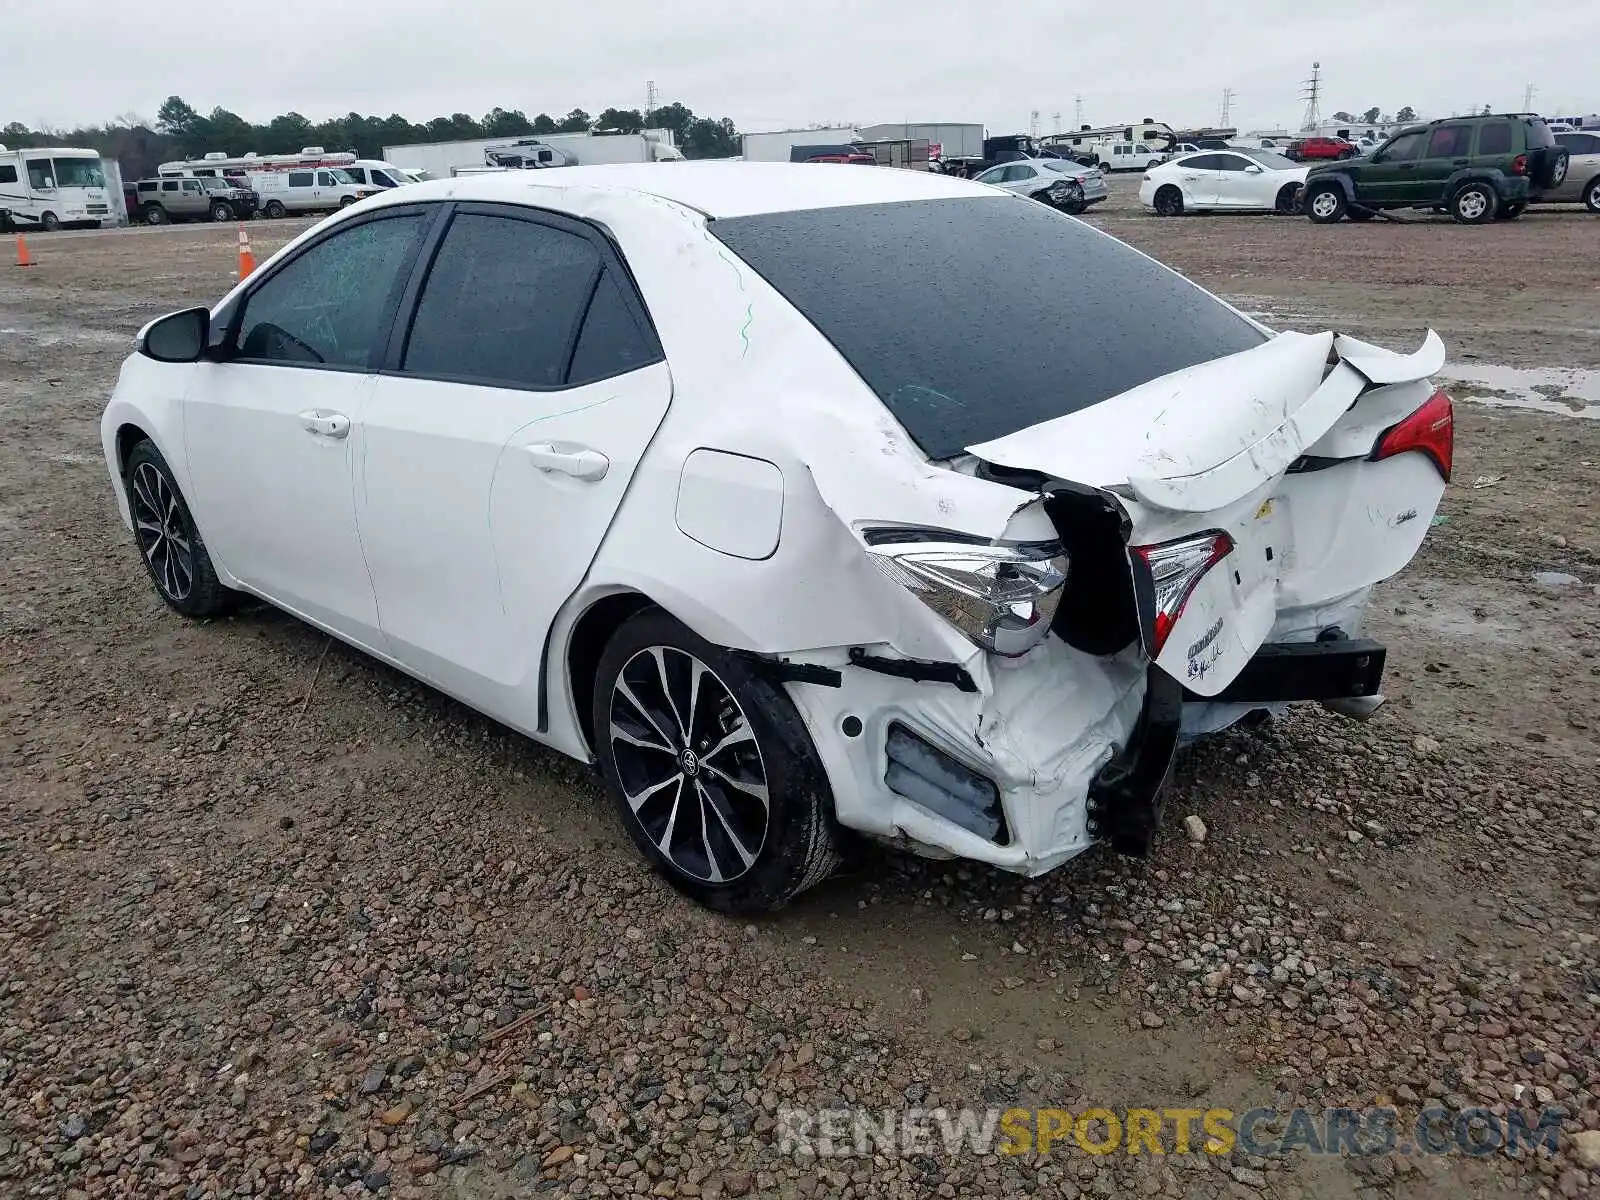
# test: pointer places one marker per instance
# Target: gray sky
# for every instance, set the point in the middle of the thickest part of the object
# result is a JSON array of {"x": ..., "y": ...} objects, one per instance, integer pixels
[{"x": 772, "y": 64}]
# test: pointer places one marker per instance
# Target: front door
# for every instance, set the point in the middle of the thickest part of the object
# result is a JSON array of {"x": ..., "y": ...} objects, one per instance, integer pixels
[
  {"x": 498, "y": 445},
  {"x": 1389, "y": 176},
  {"x": 1448, "y": 150},
  {"x": 272, "y": 422},
  {"x": 1237, "y": 186}
]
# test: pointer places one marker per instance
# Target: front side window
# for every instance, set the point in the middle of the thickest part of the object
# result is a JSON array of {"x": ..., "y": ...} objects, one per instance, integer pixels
[
  {"x": 191, "y": 186},
  {"x": 330, "y": 304},
  {"x": 1231, "y": 162},
  {"x": 502, "y": 303},
  {"x": 79, "y": 172},
  {"x": 1405, "y": 147},
  {"x": 40, "y": 174},
  {"x": 1054, "y": 315},
  {"x": 169, "y": 185}
]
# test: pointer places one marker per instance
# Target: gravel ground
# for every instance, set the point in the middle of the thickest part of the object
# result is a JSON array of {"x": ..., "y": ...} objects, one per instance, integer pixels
[{"x": 276, "y": 920}]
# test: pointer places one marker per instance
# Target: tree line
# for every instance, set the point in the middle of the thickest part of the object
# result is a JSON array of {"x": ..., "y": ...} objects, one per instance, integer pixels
[
  {"x": 1376, "y": 116},
  {"x": 181, "y": 131}
]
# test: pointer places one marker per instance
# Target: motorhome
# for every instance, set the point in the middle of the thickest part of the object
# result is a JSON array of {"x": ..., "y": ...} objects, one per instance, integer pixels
[
  {"x": 52, "y": 186},
  {"x": 367, "y": 172},
  {"x": 1149, "y": 136}
]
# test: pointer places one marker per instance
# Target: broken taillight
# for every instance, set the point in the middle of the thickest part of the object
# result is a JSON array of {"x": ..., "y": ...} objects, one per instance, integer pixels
[
  {"x": 1519, "y": 165},
  {"x": 1431, "y": 430},
  {"x": 1175, "y": 570}
]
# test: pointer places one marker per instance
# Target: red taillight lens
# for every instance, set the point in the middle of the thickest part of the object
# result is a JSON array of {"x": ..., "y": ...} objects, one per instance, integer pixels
[
  {"x": 1519, "y": 165},
  {"x": 1175, "y": 569},
  {"x": 1431, "y": 429}
]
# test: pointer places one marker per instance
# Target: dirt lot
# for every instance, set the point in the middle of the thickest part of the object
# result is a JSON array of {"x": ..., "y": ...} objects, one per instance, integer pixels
[{"x": 276, "y": 920}]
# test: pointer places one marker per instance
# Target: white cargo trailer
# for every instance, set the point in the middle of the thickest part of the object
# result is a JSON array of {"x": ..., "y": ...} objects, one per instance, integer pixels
[
  {"x": 775, "y": 146},
  {"x": 946, "y": 139},
  {"x": 441, "y": 160}
]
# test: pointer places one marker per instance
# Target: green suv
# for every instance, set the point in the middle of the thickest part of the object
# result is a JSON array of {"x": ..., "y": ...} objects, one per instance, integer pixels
[{"x": 1474, "y": 168}]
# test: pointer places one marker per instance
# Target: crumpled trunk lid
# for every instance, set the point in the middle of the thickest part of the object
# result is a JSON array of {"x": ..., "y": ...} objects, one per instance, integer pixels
[{"x": 1210, "y": 448}]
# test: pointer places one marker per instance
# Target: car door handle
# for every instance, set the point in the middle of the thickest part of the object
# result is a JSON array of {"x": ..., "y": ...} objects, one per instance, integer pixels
[
  {"x": 1408, "y": 166},
  {"x": 1460, "y": 162},
  {"x": 325, "y": 424},
  {"x": 562, "y": 458}
]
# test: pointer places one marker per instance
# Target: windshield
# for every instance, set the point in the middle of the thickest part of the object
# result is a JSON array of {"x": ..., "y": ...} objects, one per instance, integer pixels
[
  {"x": 339, "y": 176},
  {"x": 1035, "y": 316},
  {"x": 1268, "y": 159},
  {"x": 218, "y": 185},
  {"x": 79, "y": 172}
]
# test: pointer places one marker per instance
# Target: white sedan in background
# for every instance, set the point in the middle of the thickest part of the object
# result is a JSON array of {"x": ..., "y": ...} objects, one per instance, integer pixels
[
  {"x": 1058, "y": 182},
  {"x": 1243, "y": 180},
  {"x": 660, "y": 468}
]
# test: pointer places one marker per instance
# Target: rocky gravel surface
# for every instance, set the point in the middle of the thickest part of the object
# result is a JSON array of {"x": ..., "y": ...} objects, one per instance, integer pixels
[{"x": 276, "y": 921}]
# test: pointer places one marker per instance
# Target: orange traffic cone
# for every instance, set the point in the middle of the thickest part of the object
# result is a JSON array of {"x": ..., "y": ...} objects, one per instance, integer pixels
[
  {"x": 24, "y": 259},
  {"x": 247, "y": 260}
]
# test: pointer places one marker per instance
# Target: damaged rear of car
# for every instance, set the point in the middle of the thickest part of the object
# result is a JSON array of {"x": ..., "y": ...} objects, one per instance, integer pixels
[{"x": 1198, "y": 513}]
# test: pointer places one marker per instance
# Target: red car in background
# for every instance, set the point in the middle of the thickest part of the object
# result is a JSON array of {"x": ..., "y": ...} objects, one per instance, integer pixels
[{"x": 1319, "y": 148}]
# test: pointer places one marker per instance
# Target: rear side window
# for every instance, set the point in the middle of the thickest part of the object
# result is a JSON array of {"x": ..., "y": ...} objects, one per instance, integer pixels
[
  {"x": 331, "y": 303},
  {"x": 502, "y": 303},
  {"x": 612, "y": 342},
  {"x": 299, "y": 178},
  {"x": 1033, "y": 316},
  {"x": 1494, "y": 138}
]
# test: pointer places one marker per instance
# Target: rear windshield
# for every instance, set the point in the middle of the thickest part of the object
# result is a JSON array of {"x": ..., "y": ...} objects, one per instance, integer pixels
[
  {"x": 1539, "y": 135},
  {"x": 974, "y": 318}
]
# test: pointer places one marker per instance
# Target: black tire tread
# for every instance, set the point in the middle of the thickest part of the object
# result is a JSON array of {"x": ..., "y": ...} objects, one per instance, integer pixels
[
  {"x": 803, "y": 843},
  {"x": 209, "y": 596}
]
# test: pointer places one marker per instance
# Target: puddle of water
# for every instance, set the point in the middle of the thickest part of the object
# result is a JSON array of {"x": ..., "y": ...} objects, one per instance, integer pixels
[{"x": 1565, "y": 391}]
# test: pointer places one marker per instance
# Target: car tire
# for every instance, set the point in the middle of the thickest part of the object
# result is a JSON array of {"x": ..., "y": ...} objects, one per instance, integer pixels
[
  {"x": 50, "y": 222},
  {"x": 1473, "y": 204},
  {"x": 347, "y": 201},
  {"x": 154, "y": 214},
  {"x": 173, "y": 551},
  {"x": 1288, "y": 200},
  {"x": 1511, "y": 211},
  {"x": 221, "y": 212},
  {"x": 1591, "y": 195},
  {"x": 734, "y": 811},
  {"x": 1168, "y": 200},
  {"x": 275, "y": 210},
  {"x": 1325, "y": 203}
]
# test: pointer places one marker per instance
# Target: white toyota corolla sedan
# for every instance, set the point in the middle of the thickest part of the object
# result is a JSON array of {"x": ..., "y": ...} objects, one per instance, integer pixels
[
  {"x": 1242, "y": 180},
  {"x": 800, "y": 499}
]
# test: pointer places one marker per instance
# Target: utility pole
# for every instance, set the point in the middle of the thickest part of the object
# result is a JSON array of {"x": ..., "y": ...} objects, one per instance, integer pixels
[
  {"x": 1312, "y": 95},
  {"x": 1228, "y": 95},
  {"x": 649, "y": 100},
  {"x": 1527, "y": 98},
  {"x": 1077, "y": 111}
]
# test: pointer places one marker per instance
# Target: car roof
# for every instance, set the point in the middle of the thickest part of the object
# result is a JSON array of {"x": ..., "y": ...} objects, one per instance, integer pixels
[{"x": 715, "y": 188}]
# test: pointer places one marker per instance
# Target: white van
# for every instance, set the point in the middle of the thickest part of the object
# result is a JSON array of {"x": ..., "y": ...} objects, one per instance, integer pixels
[
  {"x": 374, "y": 172},
  {"x": 1129, "y": 156},
  {"x": 315, "y": 189}
]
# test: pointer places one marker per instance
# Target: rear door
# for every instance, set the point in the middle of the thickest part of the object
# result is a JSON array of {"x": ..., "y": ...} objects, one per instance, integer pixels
[{"x": 502, "y": 434}]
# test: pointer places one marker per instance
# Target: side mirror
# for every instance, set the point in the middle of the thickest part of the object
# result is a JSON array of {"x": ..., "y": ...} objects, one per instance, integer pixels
[
  {"x": 178, "y": 337},
  {"x": 1253, "y": 170}
]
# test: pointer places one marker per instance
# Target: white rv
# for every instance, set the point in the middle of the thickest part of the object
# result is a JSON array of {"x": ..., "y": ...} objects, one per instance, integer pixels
[
  {"x": 367, "y": 172},
  {"x": 54, "y": 186}
]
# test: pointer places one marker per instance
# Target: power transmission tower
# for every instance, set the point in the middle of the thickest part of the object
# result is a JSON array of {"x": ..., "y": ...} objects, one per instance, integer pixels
[
  {"x": 1228, "y": 95},
  {"x": 1312, "y": 95},
  {"x": 1058, "y": 121},
  {"x": 1527, "y": 98},
  {"x": 1033, "y": 123},
  {"x": 1077, "y": 111},
  {"x": 649, "y": 100}
]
